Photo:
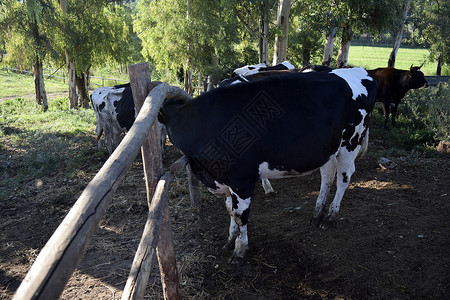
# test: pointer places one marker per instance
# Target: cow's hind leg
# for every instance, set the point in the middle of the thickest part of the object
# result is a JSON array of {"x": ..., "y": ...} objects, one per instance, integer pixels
[
  {"x": 345, "y": 169},
  {"x": 327, "y": 173},
  {"x": 239, "y": 210},
  {"x": 267, "y": 186}
]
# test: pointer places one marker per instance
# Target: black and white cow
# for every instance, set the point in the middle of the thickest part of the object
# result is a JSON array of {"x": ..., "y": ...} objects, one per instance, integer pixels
[
  {"x": 273, "y": 128},
  {"x": 115, "y": 114},
  {"x": 253, "y": 69}
]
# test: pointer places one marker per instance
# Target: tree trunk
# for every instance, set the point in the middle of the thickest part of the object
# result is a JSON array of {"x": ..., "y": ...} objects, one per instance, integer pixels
[
  {"x": 264, "y": 33},
  {"x": 39, "y": 86},
  {"x": 439, "y": 63},
  {"x": 347, "y": 35},
  {"x": 82, "y": 86},
  {"x": 188, "y": 80},
  {"x": 398, "y": 36},
  {"x": 329, "y": 47},
  {"x": 73, "y": 99},
  {"x": 280, "y": 47}
]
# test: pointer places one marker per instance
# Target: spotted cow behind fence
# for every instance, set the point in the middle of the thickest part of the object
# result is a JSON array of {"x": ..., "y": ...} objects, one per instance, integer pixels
[{"x": 115, "y": 114}]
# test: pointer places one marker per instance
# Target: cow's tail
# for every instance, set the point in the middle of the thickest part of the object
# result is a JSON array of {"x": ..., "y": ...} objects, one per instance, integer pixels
[{"x": 99, "y": 134}]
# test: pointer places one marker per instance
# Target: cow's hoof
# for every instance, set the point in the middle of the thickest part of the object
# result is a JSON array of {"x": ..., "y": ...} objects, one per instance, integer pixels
[
  {"x": 326, "y": 223},
  {"x": 237, "y": 260},
  {"x": 316, "y": 221},
  {"x": 271, "y": 194},
  {"x": 229, "y": 245}
]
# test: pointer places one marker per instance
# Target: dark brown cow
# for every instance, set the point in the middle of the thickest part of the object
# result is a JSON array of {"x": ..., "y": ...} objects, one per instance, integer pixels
[{"x": 393, "y": 85}]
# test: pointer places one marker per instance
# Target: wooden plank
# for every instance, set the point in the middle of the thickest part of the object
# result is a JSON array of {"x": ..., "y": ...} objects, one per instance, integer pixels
[
  {"x": 142, "y": 263},
  {"x": 434, "y": 80},
  {"x": 64, "y": 250},
  {"x": 179, "y": 164}
]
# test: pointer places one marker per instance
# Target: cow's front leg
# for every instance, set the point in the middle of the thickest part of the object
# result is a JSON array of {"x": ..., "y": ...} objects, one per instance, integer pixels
[
  {"x": 393, "y": 113},
  {"x": 239, "y": 210},
  {"x": 327, "y": 173},
  {"x": 387, "y": 111}
]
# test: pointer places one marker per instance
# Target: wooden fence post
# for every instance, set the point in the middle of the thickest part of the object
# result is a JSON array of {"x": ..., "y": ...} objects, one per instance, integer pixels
[
  {"x": 151, "y": 149},
  {"x": 152, "y": 161}
]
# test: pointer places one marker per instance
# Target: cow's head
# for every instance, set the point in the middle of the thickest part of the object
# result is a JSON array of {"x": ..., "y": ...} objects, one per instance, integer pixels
[
  {"x": 168, "y": 107},
  {"x": 416, "y": 78}
]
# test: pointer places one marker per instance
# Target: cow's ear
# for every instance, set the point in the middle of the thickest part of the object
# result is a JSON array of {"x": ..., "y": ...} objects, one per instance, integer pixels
[
  {"x": 411, "y": 68},
  {"x": 420, "y": 66}
]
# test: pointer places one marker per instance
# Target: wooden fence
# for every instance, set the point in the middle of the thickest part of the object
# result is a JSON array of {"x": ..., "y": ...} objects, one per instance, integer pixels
[
  {"x": 60, "y": 74},
  {"x": 62, "y": 253}
]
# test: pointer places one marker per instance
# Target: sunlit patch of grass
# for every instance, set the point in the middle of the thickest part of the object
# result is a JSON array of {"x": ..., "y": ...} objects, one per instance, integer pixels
[{"x": 372, "y": 57}]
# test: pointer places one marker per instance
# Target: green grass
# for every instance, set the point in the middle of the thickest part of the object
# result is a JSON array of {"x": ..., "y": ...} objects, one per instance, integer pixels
[
  {"x": 19, "y": 85},
  {"x": 372, "y": 57},
  {"x": 35, "y": 145}
]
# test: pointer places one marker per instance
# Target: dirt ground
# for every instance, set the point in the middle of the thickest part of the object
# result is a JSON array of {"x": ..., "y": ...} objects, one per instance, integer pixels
[{"x": 392, "y": 239}]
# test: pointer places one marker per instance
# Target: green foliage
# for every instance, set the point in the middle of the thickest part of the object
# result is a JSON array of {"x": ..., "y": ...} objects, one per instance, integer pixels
[
  {"x": 423, "y": 120},
  {"x": 431, "y": 107},
  {"x": 175, "y": 35},
  {"x": 430, "y": 26},
  {"x": 408, "y": 137}
]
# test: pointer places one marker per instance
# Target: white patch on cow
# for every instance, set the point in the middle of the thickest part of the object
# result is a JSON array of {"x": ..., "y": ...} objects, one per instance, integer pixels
[
  {"x": 220, "y": 190},
  {"x": 354, "y": 78},
  {"x": 308, "y": 70},
  {"x": 247, "y": 71},
  {"x": 360, "y": 127},
  {"x": 266, "y": 172},
  {"x": 288, "y": 65}
]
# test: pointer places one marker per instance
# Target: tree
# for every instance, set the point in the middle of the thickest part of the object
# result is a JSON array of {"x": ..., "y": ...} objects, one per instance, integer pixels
[
  {"x": 281, "y": 38},
  {"x": 189, "y": 35},
  {"x": 26, "y": 23},
  {"x": 89, "y": 33},
  {"x": 399, "y": 35},
  {"x": 431, "y": 28},
  {"x": 306, "y": 31},
  {"x": 372, "y": 16}
]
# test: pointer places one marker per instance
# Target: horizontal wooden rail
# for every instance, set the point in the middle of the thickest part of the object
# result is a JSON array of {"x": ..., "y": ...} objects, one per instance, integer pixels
[{"x": 62, "y": 253}]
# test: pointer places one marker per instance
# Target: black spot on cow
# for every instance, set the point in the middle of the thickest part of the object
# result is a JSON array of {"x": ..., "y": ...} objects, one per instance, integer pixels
[
  {"x": 245, "y": 215},
  {"x": 345, "y": 177},
  {"x": 102, "y": 106},
  {"x": 235, "y": 201}
]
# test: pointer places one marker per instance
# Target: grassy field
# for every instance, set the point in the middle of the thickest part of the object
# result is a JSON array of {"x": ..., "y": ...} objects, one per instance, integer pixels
[
  {"x": 19, "y": 85},
  {"x": 371, "y": 57}
]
